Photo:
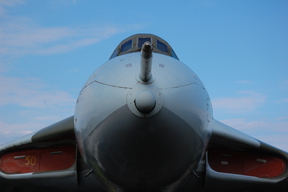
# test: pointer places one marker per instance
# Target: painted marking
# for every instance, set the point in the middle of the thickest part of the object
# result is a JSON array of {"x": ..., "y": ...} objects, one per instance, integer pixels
[
  {"x": 56, "y": 152},
  {"x": 19, "y": 157},
  {"x": 31, "y": 160},
  {"x": 261, "y": 160},
  {"x": 224, "y": 162}
]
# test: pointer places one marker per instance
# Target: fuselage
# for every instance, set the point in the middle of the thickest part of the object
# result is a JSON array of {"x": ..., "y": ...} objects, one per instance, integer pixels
[{"x": 137, "y": 135}]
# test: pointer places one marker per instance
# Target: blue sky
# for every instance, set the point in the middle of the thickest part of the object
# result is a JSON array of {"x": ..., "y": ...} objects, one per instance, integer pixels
[{"x": 239, "y": 49}]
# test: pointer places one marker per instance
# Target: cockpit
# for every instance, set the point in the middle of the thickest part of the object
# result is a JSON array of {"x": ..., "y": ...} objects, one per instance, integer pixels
[{"x": 135, "y": 42}]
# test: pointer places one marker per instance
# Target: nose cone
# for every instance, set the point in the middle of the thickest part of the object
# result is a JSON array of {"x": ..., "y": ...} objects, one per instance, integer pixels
[
  {"x": 143, "y": 153},
  {"x": 145, "y": 101}
]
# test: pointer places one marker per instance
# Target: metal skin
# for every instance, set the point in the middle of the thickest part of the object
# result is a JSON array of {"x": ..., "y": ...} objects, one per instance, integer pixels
[
  {"x": 137, "y": 134},
  {"x": 146, "y": 62}
]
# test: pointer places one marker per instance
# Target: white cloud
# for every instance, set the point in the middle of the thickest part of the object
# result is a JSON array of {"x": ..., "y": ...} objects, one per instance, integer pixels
[
  {"x": 31, "y": 125},
  {"x": 248, "y": 101},
  {"x": 20, "y": 37},
  {"x": 285, "y": 100},
  {"x": 27, "y": 105},
  {"x": 28, "y": 92},
  {"x": 12, "y": 131},
  {"x": 278, "y": 140},
  {"x": 244, "y": 82},
  {"x": 271, "y": 131},
  {"x": 277, "y": 124},
  {"x": 8, "y": 3},
  {"x": 283, "y": 85}
]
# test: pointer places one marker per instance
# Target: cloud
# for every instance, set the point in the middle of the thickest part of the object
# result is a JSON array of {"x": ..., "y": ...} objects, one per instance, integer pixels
[
  {"x": 27, "y": 128},
  {"x": 248, "y": 101},
  {"x": 12, "y": 131},
  {"x": 22, "y": 38},
  {"x": 278, "y": 140},
  {"x": 285, "y": 100},
  {"x": 8, "y": 3},
  {"x": 244, "y": 82},
  {"x": 27, "y": 105},
  {"x": 28, "y": 92},
  {"x": 283, "y": 85},
  {"x": 20, "y": 35},
  {"x": 277, "y": 124},
  {"x": 271, "y": 131}
]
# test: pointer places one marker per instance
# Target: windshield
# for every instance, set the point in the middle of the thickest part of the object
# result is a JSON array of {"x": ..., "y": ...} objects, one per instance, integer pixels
[{"x": 135, "y": 42}]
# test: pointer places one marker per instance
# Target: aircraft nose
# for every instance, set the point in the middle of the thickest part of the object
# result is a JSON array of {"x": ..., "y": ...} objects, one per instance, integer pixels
[
  {"x": 145, "y": 101},
  {"x": 150, "y": 152}
]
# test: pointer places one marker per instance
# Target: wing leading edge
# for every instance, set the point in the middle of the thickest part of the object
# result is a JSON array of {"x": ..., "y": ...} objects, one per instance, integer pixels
[
  {"x": 46, "y": 158},
  {"x": 238, "y": 161}
]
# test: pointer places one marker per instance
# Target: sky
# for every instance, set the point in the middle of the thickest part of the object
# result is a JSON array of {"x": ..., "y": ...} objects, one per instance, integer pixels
[{"x": 239, "y": 49}]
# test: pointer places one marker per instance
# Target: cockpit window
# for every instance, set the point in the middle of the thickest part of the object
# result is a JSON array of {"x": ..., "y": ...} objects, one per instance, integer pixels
[
  {"x": 126, "y": 46},
  {"x": 173, "y": 54},
  {"x": 115, "y": 53},
  {"x": 141, "y": 41},
  {"x": 135, "y": 42},
  {"x": 162, "y": 47}
]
